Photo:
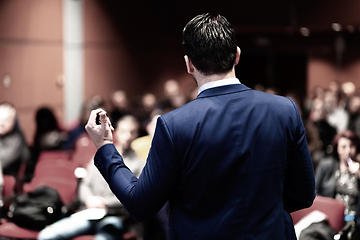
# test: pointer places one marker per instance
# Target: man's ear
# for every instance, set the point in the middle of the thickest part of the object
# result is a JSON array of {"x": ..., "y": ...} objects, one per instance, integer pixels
[
  {"x": 238, "y": 52},
  {"x": 189, "y": 65}
]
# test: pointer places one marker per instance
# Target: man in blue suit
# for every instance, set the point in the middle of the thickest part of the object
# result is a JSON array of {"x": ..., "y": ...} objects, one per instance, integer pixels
[{"x": 233, "y": 163}]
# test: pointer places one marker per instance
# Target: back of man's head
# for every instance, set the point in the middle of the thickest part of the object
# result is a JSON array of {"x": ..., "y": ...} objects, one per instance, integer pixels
[{"x": 210, "y": 43}]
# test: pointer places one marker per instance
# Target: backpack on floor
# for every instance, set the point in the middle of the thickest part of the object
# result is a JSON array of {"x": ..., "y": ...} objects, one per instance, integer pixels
[{"x": 37, "y": 209}]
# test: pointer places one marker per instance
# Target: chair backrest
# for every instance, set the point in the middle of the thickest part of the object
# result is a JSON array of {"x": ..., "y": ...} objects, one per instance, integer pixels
[
  {"x": 84, "y": 150},
  {"x": 56, "y": 168},
  {"x": 332, "y": 208},
  {"x": 53, "y": 155},
  {"x": 10, "y": 230},
  {"x": 59, "y": 174},
  {"x": 9, "y": 186},
  {"x": 67, "y": 188}
]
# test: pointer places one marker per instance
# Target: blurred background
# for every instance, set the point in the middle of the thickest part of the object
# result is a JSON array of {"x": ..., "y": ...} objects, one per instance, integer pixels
[{"x": 62, "y": 52}]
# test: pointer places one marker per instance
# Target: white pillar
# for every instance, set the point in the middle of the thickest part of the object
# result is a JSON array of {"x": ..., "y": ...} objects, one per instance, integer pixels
[{"x": 73, "y": 58}]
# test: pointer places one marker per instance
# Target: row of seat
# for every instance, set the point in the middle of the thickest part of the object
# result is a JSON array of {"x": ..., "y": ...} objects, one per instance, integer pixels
[{"x": 55, "y": 169}]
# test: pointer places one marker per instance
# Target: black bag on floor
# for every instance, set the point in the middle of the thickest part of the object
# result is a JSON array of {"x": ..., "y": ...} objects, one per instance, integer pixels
[{"x": 37, "y": 209}]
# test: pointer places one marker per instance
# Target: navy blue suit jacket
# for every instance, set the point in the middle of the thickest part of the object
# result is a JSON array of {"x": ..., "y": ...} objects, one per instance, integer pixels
[{"x": 233, "y": 164}]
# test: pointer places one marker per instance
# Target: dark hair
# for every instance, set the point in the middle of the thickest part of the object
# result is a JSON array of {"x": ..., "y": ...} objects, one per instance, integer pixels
[
  {"x": 352, "y": 136},
  {"x": 45, "y": 120},
  {"x": 209, "y": 42}
]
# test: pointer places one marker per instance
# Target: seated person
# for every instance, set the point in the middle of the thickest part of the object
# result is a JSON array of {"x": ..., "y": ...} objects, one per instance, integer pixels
[
  {"x": 13, "y": 147},
  {"x": 337, "y": 176},
  {"x": 48, "y": 135},
  {"x": 94, "y": 193},
  {"x": 142, "y": 144}
]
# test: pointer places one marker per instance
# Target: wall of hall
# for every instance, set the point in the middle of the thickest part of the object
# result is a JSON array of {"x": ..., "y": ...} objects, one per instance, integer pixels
[
  {"x": 322, "y": 70},
  {"x": 31, "y": 64},
  {"x": 329, "y": 61},
  {"x": 31, "y": 59}
]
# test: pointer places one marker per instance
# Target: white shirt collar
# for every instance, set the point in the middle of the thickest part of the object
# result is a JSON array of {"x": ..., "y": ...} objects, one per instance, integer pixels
[{"x": 219, "y": 83}]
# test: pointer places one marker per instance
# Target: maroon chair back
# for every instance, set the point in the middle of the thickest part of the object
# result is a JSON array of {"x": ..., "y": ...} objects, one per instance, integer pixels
[
  {"x": 9, "y": 186},
  {"x": 84, "y": 151},
  {"x": 12, "y": 231},
  {"x": 53, "y": 155},
  {"x": 332, "y": 208}
]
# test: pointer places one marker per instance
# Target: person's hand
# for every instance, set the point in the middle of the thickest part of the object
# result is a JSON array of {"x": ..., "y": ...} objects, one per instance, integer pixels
[
  {"x": 95, "y": 202},
  {"x": 99, "y": 134},
  {"x": 354, "y": 167}
]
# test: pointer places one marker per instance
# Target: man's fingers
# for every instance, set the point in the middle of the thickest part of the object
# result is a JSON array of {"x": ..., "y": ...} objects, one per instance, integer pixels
[
  {"x": 99, "y": 134},
  {"x": 111, "y": 127},
  {"x": 92, "y": 118},
  {"x": 103, "y": 119}
]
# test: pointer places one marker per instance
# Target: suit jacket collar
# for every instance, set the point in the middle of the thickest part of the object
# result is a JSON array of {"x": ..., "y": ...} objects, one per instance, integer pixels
[{"x": 223, "y": 90}]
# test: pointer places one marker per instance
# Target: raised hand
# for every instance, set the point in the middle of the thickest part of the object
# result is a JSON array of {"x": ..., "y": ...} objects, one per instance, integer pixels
[{"x": 99, "y": 134}]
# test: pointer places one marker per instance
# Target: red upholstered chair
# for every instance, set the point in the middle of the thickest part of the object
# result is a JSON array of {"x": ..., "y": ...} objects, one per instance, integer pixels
[
  {"x": 12, "y": 231},
  {"x": 84, "y": 151},
  {"x": 67, "y": 188},
  {"x": 8, "y": 229},
  {"x": 8, "y": 191},
  {"x": 59, "y": 168},
  {"x": 126, "y": 236},
  {"x": 58, "y": 174},
  {"x": 20, "y": 177},
  {"x": 9, "y": 186},
  {"x": 50, "y": 155},
  {"x": 84, "y": 237},
  {"x": 332, "y": 208}
]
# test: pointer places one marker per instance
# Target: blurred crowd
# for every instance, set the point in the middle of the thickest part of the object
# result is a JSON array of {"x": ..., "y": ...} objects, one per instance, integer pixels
[
  {"x": 331, "y": 116},
  {"x": 134, "y": 121},
  {"x": 329, "y": 111}
]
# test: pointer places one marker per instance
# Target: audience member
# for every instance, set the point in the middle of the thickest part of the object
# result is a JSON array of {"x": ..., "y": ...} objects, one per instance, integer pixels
[
  {"x": 336, "y": 115},
  {"x": 119, "y": 106},
  {"x": 125, "y": 134},
  {"x": 173, "y": 96},
  {"x": 353, "y": 109},
  {"x": 335, "y": 87},
  {"x": 321, "y": 132},
  {"x": 127, "y": 129},
  {"x": 142, "y": 144},
  {"x": 143, "y": 109},
  {"x": 94, "y": 193},
  {"x": 347, "y": 90},
  {"x": 13, "y": 146},
  {"x": 49, "y": 135},
  {"x": 337, "y": 176},
  {"x": 317, "y": 93}
]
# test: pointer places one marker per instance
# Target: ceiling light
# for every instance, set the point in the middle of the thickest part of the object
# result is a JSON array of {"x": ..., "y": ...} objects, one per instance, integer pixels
[
  {"x": 304, "y": 31},
  {"x": 336, "y": 27}
]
